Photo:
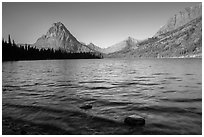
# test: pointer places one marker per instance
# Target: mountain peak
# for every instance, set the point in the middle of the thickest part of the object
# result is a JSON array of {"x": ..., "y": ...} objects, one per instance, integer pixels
[
  {"x": 58, "y": 29},
  {"x": 131, "y": 39},
  {"x": 58, "y": 37},
  {"x": 58, "y": 24}
]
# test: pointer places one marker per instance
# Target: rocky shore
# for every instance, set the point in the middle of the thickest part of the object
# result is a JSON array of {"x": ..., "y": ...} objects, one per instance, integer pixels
[
  {"x": 11, "y": 126},
  {"x": 77, "y": 125}
]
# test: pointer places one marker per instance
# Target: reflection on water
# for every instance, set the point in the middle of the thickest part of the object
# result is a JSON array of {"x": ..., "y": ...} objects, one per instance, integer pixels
[{"x": 167, "y": 92}]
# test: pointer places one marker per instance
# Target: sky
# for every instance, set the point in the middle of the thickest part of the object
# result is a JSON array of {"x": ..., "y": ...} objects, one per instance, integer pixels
[{"x": 103, "y": 24}]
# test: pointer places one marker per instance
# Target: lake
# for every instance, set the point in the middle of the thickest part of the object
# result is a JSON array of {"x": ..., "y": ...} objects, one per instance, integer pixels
[{"x": 166, "y": 92}]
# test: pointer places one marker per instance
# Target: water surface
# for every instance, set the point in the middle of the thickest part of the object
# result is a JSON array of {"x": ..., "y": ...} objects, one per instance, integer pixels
[{"x": 167, "y": 92}]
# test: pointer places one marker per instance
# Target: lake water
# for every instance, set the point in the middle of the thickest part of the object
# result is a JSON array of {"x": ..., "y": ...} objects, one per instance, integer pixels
[{"x": 166, "y": 92}]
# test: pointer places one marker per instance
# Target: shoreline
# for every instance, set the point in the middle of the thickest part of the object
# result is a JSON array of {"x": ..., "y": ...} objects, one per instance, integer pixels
[
  {"x": 76, "y": 124},
  {"x": 115, "y": 58},
  {"x": 12, "y": 126}
]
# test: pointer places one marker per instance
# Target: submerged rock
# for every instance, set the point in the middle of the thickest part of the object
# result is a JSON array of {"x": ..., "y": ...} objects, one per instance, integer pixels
[
  {"x": 86, "y": 106},
  {"x": 134, "y": 120}
]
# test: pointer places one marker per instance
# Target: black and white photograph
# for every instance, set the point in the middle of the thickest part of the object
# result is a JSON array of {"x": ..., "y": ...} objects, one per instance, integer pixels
[{"x": 101, "y": 68}]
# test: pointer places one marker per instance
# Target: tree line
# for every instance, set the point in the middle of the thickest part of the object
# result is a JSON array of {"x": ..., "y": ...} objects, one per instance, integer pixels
[{"x": 13, "y": 52}]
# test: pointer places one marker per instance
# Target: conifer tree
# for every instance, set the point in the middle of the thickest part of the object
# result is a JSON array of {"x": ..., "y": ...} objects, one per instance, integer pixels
[
  {"x": 14, "y": 43},
  {"x": 9, "y": 39}
]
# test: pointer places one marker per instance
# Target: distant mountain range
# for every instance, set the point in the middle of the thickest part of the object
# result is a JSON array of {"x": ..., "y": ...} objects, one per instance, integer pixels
[
  {"x": 127, "y": 43},
  {"x": 181, "y": 36}
]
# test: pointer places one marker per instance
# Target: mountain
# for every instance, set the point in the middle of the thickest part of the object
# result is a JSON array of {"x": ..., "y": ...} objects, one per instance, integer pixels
[
  {"x": 58, "y": 37},
  {"x": 181, "y": 18},
  {"x": 123, "y": 45},
  {"x": 181, "y": 36}
]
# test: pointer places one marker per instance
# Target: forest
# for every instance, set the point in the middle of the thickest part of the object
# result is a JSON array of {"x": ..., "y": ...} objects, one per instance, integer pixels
[{"x": 13, "y": 52}]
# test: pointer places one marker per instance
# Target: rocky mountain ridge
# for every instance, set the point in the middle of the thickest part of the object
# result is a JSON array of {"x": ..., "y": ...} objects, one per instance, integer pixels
[
  {"x": 180, "y": 37},
  {"x": 181, "y": 18}
]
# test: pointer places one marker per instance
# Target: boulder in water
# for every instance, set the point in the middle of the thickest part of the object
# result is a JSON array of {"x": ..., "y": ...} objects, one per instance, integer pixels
[{"x": 134, "y": 120}]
